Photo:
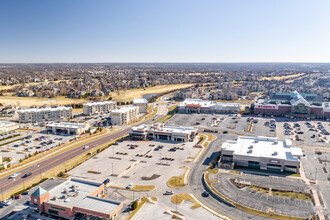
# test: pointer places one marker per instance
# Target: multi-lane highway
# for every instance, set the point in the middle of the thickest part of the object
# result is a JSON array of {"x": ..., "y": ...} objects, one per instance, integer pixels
[{"x": 47, "y": 164}]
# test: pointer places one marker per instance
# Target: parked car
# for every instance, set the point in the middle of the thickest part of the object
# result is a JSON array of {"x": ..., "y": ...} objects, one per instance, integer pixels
[
  {"x": 130, "y": 186},
  {"x": 224, "y": 132},
  {"x": 6, "y": 203},
  {"x": 25, "y": 193},
  {"x": 313, "y": 136},
  {"x": 86, "y": 147},
  {"x": 106, "y": 181},
  {"x": 169, "y": 193},
  {"x": 17, "y": 197},
  {"x": 172, "y": 149}
]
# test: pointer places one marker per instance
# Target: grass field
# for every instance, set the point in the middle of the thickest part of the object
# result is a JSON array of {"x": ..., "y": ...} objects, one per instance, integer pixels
[
  {"x": 177, "y": 181},
  {"x": 178, "y": 199},
  {"x": 28, "y": 101},
  {"x": 280, "y": 78},
  {"x": 128, "y": 95}
]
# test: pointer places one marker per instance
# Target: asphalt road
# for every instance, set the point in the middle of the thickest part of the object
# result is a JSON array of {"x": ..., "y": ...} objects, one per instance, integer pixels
[
  {"x": 197, "y": 188},
  {"x": 45, "y": 165}
]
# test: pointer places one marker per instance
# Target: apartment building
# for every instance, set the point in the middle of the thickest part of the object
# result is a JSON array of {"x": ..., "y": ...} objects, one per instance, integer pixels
[
  {"x": 124, "y": 115},
  {"x": 96, "y": 108},
  {"x": 142, "y": 104},
  {"x": 33, "y": 115}
]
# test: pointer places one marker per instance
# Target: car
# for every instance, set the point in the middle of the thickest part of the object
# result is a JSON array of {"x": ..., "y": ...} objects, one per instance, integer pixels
[
  {"x": 318, "y": 152},
  {"x": 255, "y": 121},
  {"x": 224, "y": 132},
  {"x": 300, "y": 132},
  {"x": 173, "y": 149},
  {"x": 28, "y": 202},
  {"x": 203, "y": 119},
  {"x": 17, "y": 197},
  {"x": 14, "y": 175},
  {"x": 86, "y": 147},
  {"x": 169, "y": 193},
  {"x": 197, "y": 123},
  {"x": 27, "y": 174},
  {"x": 130, "y": 186},
  {"x": 313, "y": 136},
  {"x": 1, "y": 205},
  {"x": 16, "y": 145},
  {"x": 25, "y": 193},
  {"x": 106, "y": 181},
  {"x": 131, "y": 147},
  {"x": 205, "y": 194},
  {"x": 5, "y": 202}
]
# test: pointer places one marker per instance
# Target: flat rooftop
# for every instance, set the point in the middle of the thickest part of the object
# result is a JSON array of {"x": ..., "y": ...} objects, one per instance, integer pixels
[
  {"x": 124, "y": 109},
  {"x": 206, "y": 103},
  {"x": 7, "y": 123},
  {"x": 100, "y": 103},
  {"x": 66, "y": 125},
  {"x": 172, "y": 129},
  {"x": 267, "y": 147},
  {"x": 43, "y": 109},
  {"x": 140, "y": 100},
  {"x": 76, "y": 193}
]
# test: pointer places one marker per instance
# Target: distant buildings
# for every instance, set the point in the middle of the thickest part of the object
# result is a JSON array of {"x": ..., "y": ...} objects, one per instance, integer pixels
[
  {"x": 205, "y": 106},
  {"x": 94, "y": 108},
  {"x": 265, "y": 153},
  {"x": 142, "y": 104},
  {"x": 33, "y": 115},
  {"x": 76, "y": 198},
  {"x": 159, "y": 131},
  {"x": 124, "y": 115},
  {"x": 294, "y": 105},
  {"x": 68, "y": 128},
  {"x": 7, "y": 126}
]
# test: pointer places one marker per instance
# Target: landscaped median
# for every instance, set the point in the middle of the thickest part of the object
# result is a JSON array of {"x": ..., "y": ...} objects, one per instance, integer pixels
[
  {"x": 179, "y": 181},
  {"x": 36, "y": 158},
  {"x": 178, "y": 199},
  {"x": 171, "y": 111},
  {"x": 64, "y": 167},
  {"x": 270, "y": 214},
  {"x": 138, "y": 188},
  {"x": 205, "y": 140}
]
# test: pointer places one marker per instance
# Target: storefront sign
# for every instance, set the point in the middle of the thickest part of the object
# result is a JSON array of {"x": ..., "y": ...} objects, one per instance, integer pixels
[{"x": 267, "y": 106}]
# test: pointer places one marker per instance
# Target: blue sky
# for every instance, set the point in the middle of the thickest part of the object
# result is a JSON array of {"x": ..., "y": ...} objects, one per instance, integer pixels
[{"x": 164, "y": 31}]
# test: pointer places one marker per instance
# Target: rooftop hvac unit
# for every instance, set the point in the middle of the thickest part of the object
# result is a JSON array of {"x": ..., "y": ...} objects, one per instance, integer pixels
[
  {"x": 251, "y": 147},
  {"x": 275, "y": 153},
  {"x": 275, "y": 142},
  {"x": 54, "y": 198},
  {"x": 256, "y": 141},
  {"x": 67, "y": 200},
  {"x": 249, "y": 151}
]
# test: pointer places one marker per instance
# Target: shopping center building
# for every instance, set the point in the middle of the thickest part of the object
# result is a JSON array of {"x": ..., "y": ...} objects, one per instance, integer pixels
[
  {"x": 265, "y": 153},
  {"x": 293, "y": 105},
  {"x": 205, "y": 106},
  {"x": 159, "y": 131},
  {"x": 76, "y": 198},
  {"x": 7, "y": 126},
  {"x": 68, "y": 128}
]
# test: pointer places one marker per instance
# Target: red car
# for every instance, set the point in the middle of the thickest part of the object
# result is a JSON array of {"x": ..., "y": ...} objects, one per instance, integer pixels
[
  {"x": 17, "y": 197},
  {"x": 131, "y": 147}
]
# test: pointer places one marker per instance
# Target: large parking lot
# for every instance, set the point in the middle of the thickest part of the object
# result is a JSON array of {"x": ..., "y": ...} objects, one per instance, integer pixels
[
  {"x": 238, "y": 124},
  {"x": 138, "y": 162},
  {"x": 29, "y": 143}
]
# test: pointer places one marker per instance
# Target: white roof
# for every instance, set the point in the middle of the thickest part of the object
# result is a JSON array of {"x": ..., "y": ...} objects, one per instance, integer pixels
[
  {"x": 82, "y": 198},
  {"x": 124, "y": 109},
  {"x": 268, "y": 147},
  {"x": 43, "y": 109},
  {"x": 66, "y": 125},
  {"x": 7, "y": 123},
  {"x": 172, "y": 129},
  {"x": 206, "y": 103},
  {"x": 140, "y": 100},
  {"x": 100, "y": 103}
]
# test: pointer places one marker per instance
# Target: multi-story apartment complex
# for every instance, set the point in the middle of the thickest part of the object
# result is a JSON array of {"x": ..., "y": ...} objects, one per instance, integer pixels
[
  {"x": 33, "y": 115},
  {"x": 124, "y": 115},
  {"x": 94, "y": 108},
  {"x": 142, "y": 104}
]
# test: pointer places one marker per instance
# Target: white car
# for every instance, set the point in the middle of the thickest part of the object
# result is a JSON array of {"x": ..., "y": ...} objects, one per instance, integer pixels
[
  {"x": 6, "y": 203},
  {"x": 86, "y": 147},
  {"x": 130, "y": 186},
  {"x": 14, "y": 175}
]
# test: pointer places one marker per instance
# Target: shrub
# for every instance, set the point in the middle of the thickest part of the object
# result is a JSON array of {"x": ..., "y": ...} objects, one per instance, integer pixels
[{"x": 134, "y": 205}]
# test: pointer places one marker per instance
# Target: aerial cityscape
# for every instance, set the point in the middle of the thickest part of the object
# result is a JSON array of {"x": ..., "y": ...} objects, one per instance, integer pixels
[{"x": 177, "y": 109}]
